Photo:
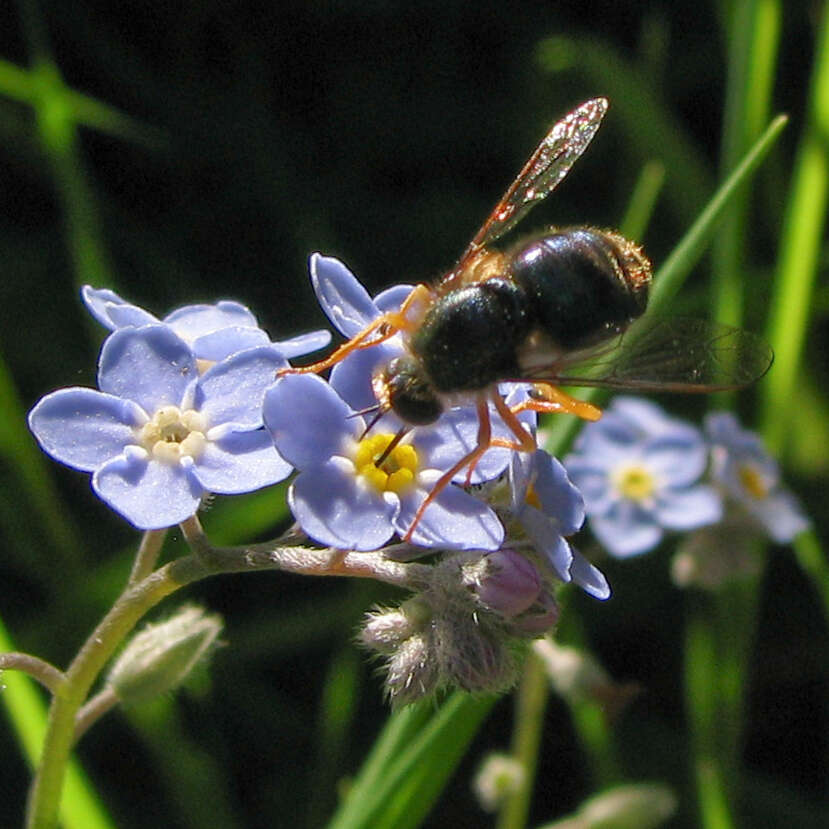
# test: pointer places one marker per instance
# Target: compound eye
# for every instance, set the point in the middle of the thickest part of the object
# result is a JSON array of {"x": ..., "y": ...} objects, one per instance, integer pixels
[{"x": 409, "y": 393}]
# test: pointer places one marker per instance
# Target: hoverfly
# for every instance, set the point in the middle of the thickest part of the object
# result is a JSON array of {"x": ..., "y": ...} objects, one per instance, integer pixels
[{"x": 556, "y": 309}]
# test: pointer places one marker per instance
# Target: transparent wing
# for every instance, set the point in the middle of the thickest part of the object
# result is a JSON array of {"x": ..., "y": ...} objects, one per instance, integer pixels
[
  {"x": 675, "y": 354},
  {"x": 546, "y": 167}
]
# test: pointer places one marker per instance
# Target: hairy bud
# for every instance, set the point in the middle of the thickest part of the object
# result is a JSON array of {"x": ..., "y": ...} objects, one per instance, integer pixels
[{"x": 161, "y": 657}]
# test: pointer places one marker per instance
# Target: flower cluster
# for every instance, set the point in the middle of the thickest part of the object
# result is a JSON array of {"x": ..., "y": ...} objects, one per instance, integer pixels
[
  {"x": 202, "y": 402},
  {"x": 643, "y": 473}
]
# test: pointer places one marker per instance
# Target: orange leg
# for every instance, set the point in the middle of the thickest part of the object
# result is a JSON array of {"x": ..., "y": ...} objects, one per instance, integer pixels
[
  {"x": 549, "y": 399},
  {"x": 484, "y": 442},
  {"x": 388, "y": 325}
]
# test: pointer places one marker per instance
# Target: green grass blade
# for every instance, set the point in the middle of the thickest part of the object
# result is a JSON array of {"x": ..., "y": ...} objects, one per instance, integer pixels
[
  {"x": 669, "y": 278},
  {"x": 800, "y": 247},
  {"x": 401, "y": 795},
  {"x": 80, "y": 807}
]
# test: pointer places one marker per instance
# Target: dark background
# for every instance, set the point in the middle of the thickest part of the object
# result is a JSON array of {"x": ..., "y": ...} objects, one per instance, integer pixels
[{"x": 381, "y": 133}]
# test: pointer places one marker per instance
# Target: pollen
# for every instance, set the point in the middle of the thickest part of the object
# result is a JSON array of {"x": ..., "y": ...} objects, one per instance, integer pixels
[
  {"x": 753, "y": 481},
  {"x": 397, "y": 471},
  {"x": 634, "y": 482},
  {"x": 172, "y": 434}
]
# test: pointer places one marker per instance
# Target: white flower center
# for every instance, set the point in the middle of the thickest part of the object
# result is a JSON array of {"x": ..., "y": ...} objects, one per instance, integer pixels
[{"x": 172, "y": 434}]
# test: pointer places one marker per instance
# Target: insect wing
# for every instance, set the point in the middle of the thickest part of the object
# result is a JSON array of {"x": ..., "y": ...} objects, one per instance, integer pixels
[
  {"x": 677, "y": 354},
  {"x": 542, "y": 173}
]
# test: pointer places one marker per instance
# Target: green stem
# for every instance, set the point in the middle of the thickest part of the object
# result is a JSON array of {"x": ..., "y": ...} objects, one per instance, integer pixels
[
  {"x": 140, "y": 597},
  {"x": 47, "y": 675},
  {"x": 530, "y": 702}
]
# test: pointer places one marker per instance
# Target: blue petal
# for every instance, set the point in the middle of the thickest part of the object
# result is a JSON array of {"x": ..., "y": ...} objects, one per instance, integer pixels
[
  {"x": 626, "y": 530},
  {"x": 240, "y": 462},
  {"x": 232, "y": 391},
  {"x": 454, "y": 520},
  {"x": 547, "y": 539},
  {"x": 782, "y": 516},
  {"x": 112, "y": 311},
  {"x": 149, "y": 365},
  {"x": 149, "y": 494},
  {"x": 304, "y": 343},
  {"x": 689, "y": 508},
  {"x": 193, "y": 321},
  {"x": 336, "y": 511},
  {"x": 83, "y": 428},
  {"x": 588, "y": 577},
  {"x": 593, "y": 481},
  {"x": 352, "y": 377},
  {"x": 643, "y": 415},
  {"x": 217, "y": 345},
  {"x": 392, "y": 298},
  {"x": 307, "y": 419},
  {"x": 558, "y": 497},
  {"x": 345, "y": 301},
  {"x": 677, "y": 457}
]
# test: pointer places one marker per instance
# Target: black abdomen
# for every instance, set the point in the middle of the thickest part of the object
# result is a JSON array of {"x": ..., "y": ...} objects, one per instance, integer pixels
[{"x": 578, "y": 285}]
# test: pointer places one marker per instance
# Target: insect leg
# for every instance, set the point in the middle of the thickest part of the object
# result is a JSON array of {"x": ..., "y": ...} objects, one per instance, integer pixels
[
  {"x": 549, "y": 399},
  {"x": 484, "y": 442},
  {"x": 387, "y": 324}
]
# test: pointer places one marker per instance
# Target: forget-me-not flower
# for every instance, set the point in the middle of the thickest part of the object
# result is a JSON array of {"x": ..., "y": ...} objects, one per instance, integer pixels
[
  {"x": 746, "y": 473},
  {"x": 548, "y": 508},
  {"x": 213, "y": 331},
  {"x": 343, "y": 499},
  {"x": 158, "y": 436},
  {"x": 638, "y": 470}
]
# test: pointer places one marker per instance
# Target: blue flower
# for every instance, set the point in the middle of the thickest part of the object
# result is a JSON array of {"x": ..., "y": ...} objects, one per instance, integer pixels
[
  {"x": 158, "y": 436},
  {"x": 638, "y": 470},
  {"x": 212, "y": 331},
  {"x": 548, "y": 507},
  {"x": 341, "y": 499},
  {"x": 747, "y": 474}
]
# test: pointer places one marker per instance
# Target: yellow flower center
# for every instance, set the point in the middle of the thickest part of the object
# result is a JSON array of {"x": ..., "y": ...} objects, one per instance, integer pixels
[
  {"x": 753, "y": 481},
  {"x": 532, "y": 497},
  {"x": 635, "y": 482},
  {"x": 397, "y": 471},
  {"x": 172, "y": 434}
]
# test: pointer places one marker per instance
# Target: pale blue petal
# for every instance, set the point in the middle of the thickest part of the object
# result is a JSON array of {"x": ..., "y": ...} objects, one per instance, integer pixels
[
  {"x": 352, "y": 377},
  {"x": 112, "y": 311},
  {"x": 643, "y": 415},
  {"x": 782, "y": 516},
  {"x": 626, "y": 530},
  {"x": 232, "y": 391},
  {"x": 558, "y": 497},
  {"x": 454, "y": 520},
  {"x": 336, "y": 511},
  {"x": 240, "y": 462},
  {"x": 304, "y": 343},
  {"x": 677, "y": 457},
  {"x": 392, "y": 298},
  {"x": 546, "y": 538},
  {"x": 689, "y": 508},
  {"x": 217, "y": 345},
  {"x": 344, "y": 300},
  {"x": 588, "y": 577},
  {"x": 149, "y": 365},
  {"x": 149, "y": 494},
  {"x": 193, "y": 321},
  {"x": 592, "y": 480},
  {"x": 307, "y": 420},
  {"x": 83, "y": 427}
]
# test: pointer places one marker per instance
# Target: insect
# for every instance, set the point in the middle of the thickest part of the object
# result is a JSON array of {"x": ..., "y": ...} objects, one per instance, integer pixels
[{"x": 556, "y": 309}]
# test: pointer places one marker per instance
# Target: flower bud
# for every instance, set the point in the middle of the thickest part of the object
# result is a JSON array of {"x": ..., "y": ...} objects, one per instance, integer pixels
[
  {"x": 498, "y": 777},
  {"x": 162, "y": 656},
  {"x": 539, "y": 619},
  {"x": 412, "y": 671},
  {"x": 504, "y": 581},
  {"x": 385, "y": 629},
  {"x": 632, "y": 806}
]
